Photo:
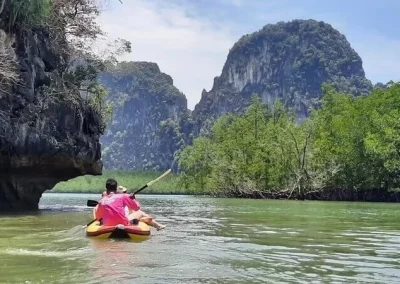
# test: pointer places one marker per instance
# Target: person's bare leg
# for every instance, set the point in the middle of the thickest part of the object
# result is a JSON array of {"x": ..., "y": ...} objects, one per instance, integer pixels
[
  {"x": 140, "y": 215},
  {"x": 135, "y": 215},
  {"x": 157, "y": 225}
]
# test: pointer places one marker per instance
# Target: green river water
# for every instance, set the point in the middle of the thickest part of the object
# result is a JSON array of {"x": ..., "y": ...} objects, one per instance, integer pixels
[{"x": 207, "y": 241}]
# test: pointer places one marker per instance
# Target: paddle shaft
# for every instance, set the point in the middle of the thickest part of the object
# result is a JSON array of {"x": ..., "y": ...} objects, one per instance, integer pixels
[
  {"x": 90, "y": 223},
  {"x": 152, "y": 182}
]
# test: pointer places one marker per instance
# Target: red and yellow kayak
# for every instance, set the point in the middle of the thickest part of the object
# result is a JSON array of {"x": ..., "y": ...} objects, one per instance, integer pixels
[{"x": 140, "y": 231}]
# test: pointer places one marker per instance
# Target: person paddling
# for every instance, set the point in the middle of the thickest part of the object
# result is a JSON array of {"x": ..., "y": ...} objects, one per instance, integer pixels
[
  {"x": 111, "y": 208},
  {"x": 139, "y": 214},
  {"x": 97, "y": 206}
]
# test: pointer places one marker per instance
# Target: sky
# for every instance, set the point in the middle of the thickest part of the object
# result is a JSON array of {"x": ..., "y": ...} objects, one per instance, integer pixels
[{"x": 190, "y": 39}]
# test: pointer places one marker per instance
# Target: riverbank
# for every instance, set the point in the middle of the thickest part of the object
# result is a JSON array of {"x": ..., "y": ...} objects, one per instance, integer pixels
[
  {"x": 170, "y": 185},
  {"x": 336, "y": 194},
  {"x": 131, "y": 180},
  {"x": 346, "y": 150}
]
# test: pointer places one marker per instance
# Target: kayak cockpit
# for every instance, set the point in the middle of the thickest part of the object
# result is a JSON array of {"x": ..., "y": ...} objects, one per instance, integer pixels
[{"x": 139, "y": 231}]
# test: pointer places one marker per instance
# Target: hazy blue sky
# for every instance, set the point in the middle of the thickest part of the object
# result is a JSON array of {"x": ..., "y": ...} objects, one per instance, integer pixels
[{"x": 190, "y": 39}]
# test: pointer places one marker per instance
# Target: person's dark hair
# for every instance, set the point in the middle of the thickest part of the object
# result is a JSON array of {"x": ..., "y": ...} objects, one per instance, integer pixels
[{"x": 111, "y": 185}]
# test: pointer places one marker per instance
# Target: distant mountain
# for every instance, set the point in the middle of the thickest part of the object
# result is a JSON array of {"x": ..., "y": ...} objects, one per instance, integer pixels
[
  {"x": 149, "y": 115},
  {"x": 287, "y": 61}
]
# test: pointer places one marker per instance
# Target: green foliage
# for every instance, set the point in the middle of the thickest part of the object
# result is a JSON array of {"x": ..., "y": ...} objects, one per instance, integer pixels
[
  {"x": 289, "y": 60},
  {"x": 197, "y": 161},
  {"x": 149, "y": 111},
  {"x": 71, "y": 28},
  {"x": 131, "y": 180},
  {"x": 97, "y": 100},
  {"x": 83, "y": 79},
  {"x": 29, "y": 12},
  {"x": 356, "y": 140},
  {"x": 261, "y": 149},
  {"x": 349, "y": 143},
  {"x": 314, "y": 51},
  {"x": 146, "y": 77}
]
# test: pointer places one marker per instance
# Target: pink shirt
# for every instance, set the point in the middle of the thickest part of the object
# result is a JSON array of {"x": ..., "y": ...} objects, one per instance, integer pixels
[{"x": 112, "y": 209}]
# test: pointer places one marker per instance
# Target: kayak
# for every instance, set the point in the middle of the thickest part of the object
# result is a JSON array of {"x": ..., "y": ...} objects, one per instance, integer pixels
[{"x": 140, "y": 231}]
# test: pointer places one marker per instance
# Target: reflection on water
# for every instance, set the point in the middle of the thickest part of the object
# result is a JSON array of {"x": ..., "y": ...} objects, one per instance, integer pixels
[{"x": 207, "y": 241}]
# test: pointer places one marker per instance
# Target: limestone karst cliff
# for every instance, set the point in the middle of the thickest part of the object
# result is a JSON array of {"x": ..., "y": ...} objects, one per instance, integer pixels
[
  {"x": 48, "y": 133},
  {"x": 287, "y": 61},
  {"x": 149, "y": 118}
]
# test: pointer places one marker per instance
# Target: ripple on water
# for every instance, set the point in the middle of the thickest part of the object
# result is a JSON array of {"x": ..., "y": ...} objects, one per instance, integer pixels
[
  {"x": 71, "y": 253},
  {"x": 209, "y": 241},
  {"x": 65, "y": 208}
]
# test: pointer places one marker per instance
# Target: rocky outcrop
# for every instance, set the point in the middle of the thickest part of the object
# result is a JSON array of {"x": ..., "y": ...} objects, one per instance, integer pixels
[
  {"x": 287, "y": 61},
  {"x": 47, "y": 134},
  {"x": 149, "y": 120}
]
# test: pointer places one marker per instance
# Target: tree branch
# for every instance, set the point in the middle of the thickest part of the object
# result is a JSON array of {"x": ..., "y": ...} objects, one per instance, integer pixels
[{"x": 2, "y": 6}]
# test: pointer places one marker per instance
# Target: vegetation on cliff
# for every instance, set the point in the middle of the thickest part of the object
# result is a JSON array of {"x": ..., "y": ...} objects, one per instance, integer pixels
[
  {"x": 346, "y": 150},
  {"x": 131, "y": 180},
  {"x": 52, "y": 110},
  {"x": 317, "y": 53},
  {"x": 148, "y": 122},
  {"x": 288, "y": 61},
  {"x": 71, "y": 32}
]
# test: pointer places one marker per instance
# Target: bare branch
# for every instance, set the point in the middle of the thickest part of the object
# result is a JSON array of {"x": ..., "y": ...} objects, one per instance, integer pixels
[{"x": 2, "y": 6}]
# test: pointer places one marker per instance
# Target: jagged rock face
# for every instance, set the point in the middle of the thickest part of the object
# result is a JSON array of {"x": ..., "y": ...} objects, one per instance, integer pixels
[
  {"x": 287, "y": 61},
  {"x": 149, "y": 117},
  {"x": 45, "y": 137}
]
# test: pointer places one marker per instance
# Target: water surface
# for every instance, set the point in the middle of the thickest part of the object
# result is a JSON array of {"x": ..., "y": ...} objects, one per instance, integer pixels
[{"x": 207, "y": 241}]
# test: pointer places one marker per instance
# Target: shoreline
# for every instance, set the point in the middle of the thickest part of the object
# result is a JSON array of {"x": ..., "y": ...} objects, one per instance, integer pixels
[
  {"x": 334, "y": 195},
  {"x": 170, "y": 185},
  {"x": 141, "y": 193}
]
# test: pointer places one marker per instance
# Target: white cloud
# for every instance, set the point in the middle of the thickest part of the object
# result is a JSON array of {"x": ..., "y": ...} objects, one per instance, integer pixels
[
  {"x": 193, "y": 51},
  {"x": 192, "y": 47}
]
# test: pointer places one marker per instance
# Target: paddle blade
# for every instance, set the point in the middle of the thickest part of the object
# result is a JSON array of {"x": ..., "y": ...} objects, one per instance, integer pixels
[{"x": 92, "y": 203}]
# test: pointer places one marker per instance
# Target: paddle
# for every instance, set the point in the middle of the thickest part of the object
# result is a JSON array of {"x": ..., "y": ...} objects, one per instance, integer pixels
[{"x": 93, "y": 203}]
